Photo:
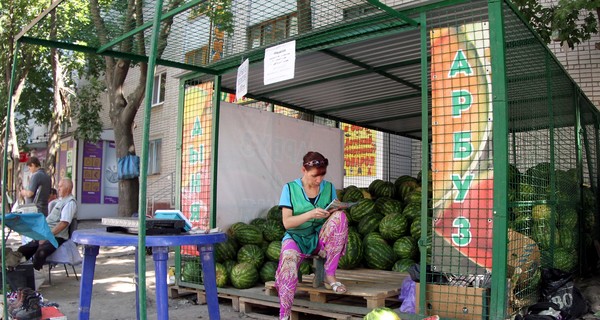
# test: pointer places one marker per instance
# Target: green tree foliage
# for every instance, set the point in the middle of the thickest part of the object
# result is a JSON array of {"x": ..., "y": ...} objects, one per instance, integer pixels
[
  {"x": 86, "y": 109},
  {"x": 570, "y": 21}
]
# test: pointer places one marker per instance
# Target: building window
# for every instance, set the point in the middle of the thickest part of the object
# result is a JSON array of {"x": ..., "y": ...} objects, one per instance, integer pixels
[
  {"x": 359, "y": 11},
  {"x": 271, "y": 31},
  {"x": 154, "y": 152},
  {"x": 158, "y": 90}
]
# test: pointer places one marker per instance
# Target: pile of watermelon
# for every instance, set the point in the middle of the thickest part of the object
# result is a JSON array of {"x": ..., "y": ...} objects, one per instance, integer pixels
[
  {"x": 545, "y": 205},
  {"x": 385, "y": 226}
]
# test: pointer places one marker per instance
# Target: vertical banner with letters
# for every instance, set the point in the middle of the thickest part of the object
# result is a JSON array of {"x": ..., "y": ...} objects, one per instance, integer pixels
[
  {"x": 196, "y": 157},
  {"x": 91, "y": 173},
  {"x": 461, "y": 149}
]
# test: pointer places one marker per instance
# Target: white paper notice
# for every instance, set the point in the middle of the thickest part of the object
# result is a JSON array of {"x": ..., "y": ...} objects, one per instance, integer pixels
[
  {"x": 280, "y": 62},
  {"x": 241, "y": 86}
]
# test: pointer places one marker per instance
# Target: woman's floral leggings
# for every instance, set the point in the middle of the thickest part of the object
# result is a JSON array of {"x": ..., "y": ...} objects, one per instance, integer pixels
[{"x": 332, "y": 245}]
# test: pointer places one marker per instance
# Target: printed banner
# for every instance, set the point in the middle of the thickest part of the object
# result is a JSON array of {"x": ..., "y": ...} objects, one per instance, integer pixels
[
  {"x": 360, "y": 151},
  {"x": 111, "y": 180},
  {"x": 196, "y": 165},
  {"x": 461, "y": 149},
  {"x": 91, "y": 173}
]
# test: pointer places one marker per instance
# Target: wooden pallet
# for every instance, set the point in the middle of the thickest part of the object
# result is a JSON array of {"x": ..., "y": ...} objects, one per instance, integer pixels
[{"x": 374, "y": 286}]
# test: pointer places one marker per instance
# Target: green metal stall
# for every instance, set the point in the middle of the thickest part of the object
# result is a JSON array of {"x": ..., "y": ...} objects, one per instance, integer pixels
[{"x": 509, "y": 140}]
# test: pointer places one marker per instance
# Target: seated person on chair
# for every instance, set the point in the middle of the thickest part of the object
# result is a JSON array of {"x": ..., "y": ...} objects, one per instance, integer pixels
[
  {"x": 58, "y": 220},
  {"x": 310, "y": 229}
]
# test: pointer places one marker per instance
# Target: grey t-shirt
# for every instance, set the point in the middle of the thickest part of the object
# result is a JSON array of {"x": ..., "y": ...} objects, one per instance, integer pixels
[{"x": 40, "y": 178}]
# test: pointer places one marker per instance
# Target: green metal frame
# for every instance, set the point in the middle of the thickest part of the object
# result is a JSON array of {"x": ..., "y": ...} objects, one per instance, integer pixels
[{"x": 500, "y": 143}]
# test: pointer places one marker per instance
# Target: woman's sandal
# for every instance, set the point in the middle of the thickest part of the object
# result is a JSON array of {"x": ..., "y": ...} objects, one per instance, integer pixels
[{"x": 334, "y": 286}]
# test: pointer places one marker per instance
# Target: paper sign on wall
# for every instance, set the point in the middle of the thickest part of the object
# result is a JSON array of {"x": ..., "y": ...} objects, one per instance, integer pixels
[
  {"x": 280, "y": 62},
  {"x": 241, "y": 86}
]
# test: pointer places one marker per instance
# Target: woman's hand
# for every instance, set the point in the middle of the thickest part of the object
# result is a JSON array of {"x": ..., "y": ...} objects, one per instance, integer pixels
[{"x": 319, "y": 213}]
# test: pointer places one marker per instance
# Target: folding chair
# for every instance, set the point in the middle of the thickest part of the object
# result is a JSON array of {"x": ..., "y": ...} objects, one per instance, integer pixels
[{"x": 66, "y": 254}]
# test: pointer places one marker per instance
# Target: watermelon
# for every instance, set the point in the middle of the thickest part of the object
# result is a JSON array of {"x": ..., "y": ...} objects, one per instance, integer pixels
[
  {"x": 228, "y": 266},
  {"x": 567, "y": 218},
  {"x": 522, "y": 223},
  {"x": 352, "y": 194},
  {"x": 273, "y": 250},
  {"x": 305, "y": 268},
  {"x": 258, "y": 222},
  {"x": 248, "y": 234},
  {"x": 226, "y": 250},
  {"x": 382, "y": 189},
  {"x": 541, "y": 212},
  {"x": 369, "y": 223},
  {"x": 274, "y": 213},
  {"x": 405, "y": 186},
  {"x": 378, "y": 254},
  {"x": 362, "y": 208},
  {"x": 568, "y": 238},
  {"x": 354, "y": 252},
  {"x": 374, "y": 185},
  {"x": 543, "y": 232},
  {"x": 221, "y": 275},
  {"x": 273, "y": 230},
  {"x": 382, "y": 313},
  {"x": 233, "y": 228},
  {"x": 244, "y": 275},
  {"x": 386, "y": 206},
  {"x": 414, "y": 196},
  {"x": 252, "y": 254},
  {"x": 564, "y": 259},
  {"x": 415, "y": 227},
  {"x": 267, "y": 271},
  {"x": 393, "y": 226},
  {"x": 403, "y": 265},
  {"x": 406, "y": 248},
  {"x": 192, "y": 271},
  {"x": 412, "y": 210}
]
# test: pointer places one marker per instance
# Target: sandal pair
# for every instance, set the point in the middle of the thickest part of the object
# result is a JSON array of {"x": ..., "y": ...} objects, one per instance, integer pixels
[{"x": 334, "y": 286}]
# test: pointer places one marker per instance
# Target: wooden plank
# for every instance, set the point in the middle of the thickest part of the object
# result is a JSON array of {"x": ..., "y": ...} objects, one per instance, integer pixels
[{"x": 247, "y": 302}]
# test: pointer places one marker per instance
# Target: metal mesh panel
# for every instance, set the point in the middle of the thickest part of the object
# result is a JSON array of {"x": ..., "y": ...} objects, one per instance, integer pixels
[
  {"x": 461, "y": 156},
  {"x": 196, "y": 160}
]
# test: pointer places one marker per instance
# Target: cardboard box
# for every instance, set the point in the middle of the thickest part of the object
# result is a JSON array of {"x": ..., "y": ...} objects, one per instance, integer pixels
[
  {"x": 445, "y": 301},
  {"x": 522, "y": 254}
]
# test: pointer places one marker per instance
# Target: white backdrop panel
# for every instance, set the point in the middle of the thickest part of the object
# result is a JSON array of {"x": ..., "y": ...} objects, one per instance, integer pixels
[{"x": 259, "y": 152}]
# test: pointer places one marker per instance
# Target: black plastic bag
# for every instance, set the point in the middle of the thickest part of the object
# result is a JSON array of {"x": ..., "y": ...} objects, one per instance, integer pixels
[
  {"x": 543, "y": 311},
  {"x": 558, "y": 287}
]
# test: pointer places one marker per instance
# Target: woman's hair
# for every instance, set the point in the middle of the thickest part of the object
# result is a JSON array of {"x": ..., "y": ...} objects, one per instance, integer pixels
[{"x": 315, "y": 160}]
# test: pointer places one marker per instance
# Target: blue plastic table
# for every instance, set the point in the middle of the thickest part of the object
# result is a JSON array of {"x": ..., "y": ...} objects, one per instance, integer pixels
[{"x": 92, "y": 239}]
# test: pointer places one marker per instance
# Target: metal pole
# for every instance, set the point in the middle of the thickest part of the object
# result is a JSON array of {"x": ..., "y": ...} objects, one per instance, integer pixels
[
  {"x": 215, "y": 149},
  {"x": 5, "y": 168},
  {"x": 141, "y": 254}
]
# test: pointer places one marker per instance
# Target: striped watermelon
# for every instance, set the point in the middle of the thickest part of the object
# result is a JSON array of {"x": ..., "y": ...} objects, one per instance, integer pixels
[
  {"x": 374, "y": 185},
  {"x": 273, "y": 250},
  {"x": 305, "y": 268},
  {"x": 387, "y": 205},
  {"x": 378, "y": 253},
  {"x": 252, "y": 254},
  {"x": 274, "y": 213},
  {"x": 228, "y": 266},
  {"x": 406, "y": 248},
  {"x": 258, "y": 222},
  {"x": 244, "y": 275},
  {"x": 369, "y": 223},
  {"x": 248, "y": 234},
  {"x": 393, "y": 226},
  {"x": 221, "y": 275},
  {"x": 383, "y": 189},
  {"x": 233, "y": 228},
  {"x": 354, "y": 252},
  {"x": 412, "y": 210},
  {"x": 352, "y": 194},
  {"x": 267, "y": 271},
  {"x": 403, "y": 265},
  {"x": 226, "y": 250},
  {"x": 273, "y": 230},
  {"x": 362, "y": 208},
  {"x": 414, "y": 196},
  {"x": 415, "y": 227}
]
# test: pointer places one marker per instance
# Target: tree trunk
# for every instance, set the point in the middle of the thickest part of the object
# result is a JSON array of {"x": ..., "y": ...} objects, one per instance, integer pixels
[{"x": 128, "y": 189}]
